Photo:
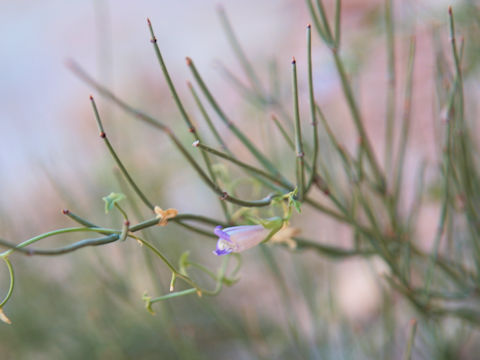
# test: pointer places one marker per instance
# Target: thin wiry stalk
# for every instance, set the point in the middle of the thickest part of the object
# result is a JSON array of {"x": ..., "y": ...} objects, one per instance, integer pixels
[
  {"x": 323, "y": 17},
  {"x": 316, "y": 21},
  {"x": 117, "y": 160},
  {"x": 273, "y": 179},
  {"x": 447, "y": 166},
  {"x": 283, "y": 132},
  {"x": 300, "y": 172},
  {"x": 407, "y": 107},
  {"x": 155, "y": 123},
  {"x": 348, "y": 93},
  {"x": 338, "y": 11},
  {"x": 240, "y": 54},
  {"x": 207, "y": 118},
  {"x": 365, "y": 141},
  {"x": 391, "y": 89},
  {"x": 239, "y": 134},
  {"x": 183, "y": 112},
  {"x": 411, "y": 339},
  {"x": 313, "y": 115}
]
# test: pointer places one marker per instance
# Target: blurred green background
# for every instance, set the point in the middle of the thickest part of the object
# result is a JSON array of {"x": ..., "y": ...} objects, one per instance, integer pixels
[{"x": 88, "y": 304}]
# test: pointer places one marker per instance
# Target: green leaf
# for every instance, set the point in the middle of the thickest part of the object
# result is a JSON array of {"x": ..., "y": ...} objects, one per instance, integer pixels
[
  {"x": 183, "y": 263},
  {"x": 148, "y": 303},
  {"x": 297, "y": 204},
  {"x": 273, "y": 223},
  {"x": 293, "y": 201},
  {"x": 111, "y": 200}
]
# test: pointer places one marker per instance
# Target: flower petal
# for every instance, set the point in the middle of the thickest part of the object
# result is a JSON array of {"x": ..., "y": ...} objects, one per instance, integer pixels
[{"x": 221, "y": 233}]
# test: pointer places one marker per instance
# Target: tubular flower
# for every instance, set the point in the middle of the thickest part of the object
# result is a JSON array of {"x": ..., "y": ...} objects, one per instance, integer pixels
[{"x": 239, "y": 238}]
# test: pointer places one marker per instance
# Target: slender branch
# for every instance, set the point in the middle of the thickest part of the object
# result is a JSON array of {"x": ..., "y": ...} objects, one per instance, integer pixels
[
  {"x": 183, "y": 112},
  {"x": 12, "y": 281},
  {"x": 313, "y": 114},
  {"x": 407, "y": 107},
  {"x": 391, "y": 89},
  {"x": 338, "y": 10},
  {"x": 272, "y": 178},
  {"x": 300, "y": 172},
  {"x": 207, "y": 118},
  {"x": 115, "y": 157},
  {"x": 240, "y": 54},
  {"x": 239, "y": 134},
  {"x": 153, "y": 122}
]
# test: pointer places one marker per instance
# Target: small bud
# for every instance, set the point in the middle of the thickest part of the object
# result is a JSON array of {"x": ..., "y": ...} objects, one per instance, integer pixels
[
  {"x": 65, "y": 211},
  {"x": 196, "y": 143}
]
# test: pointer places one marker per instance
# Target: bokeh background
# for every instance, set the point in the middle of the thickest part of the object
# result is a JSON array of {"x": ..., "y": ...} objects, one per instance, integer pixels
[{"x": 88, "y": 304}]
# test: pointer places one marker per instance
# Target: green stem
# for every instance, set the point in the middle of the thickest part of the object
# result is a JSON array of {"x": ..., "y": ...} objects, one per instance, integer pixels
[
  {"x": 78, "y": 219},
  {"x": 155, "y": 123},
  {"x": 316, "y": 21},
  {"x": 194, "y": 228},
  {"x": 12, "y": 282},
  {"x": 183, "y": 112},
  {"x": 365, "y": 141},
  {"x": 53, "y": 233},
  {"x": 411, "y": 339},
  {"x": 391, "y": 90},
  {"x": 63, "y": 250},
  {"x": 173, "y": 295},
  {"x": 119, "y": 163},
  {"x": 283, "y": 132},
  {"x": 405, "y": 123},
  {"x": 207, "y": 118},
  {"x": 300, "y": 172},
  {"x": 313, "y": 114},
  {"x": 239, "y": 134},
  {"x": 272, "y": 178},
  {"x": 326, "y": 25},
  {"x": 331, "y": 251},
  {"x": 338, "y": 10},
  {"x": 240, "y": 54}
]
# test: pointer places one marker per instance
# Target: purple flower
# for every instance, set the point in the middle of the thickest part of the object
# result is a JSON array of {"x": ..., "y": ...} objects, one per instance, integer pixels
[{"x": 239, "y": 238}]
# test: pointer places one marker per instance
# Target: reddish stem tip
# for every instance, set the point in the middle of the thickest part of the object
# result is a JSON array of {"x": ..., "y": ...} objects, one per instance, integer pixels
[
  {"x": 65, "y": 211},
  {"x": 149, "y": 22},
  {"x": 188, "y": 60},
  {"x": 309, "y": 26},
  {"x": 103, "y": 135},
  {"x": 293, "y": 60},
  {"x": 91, "y": 97},
  {"x": 450, "y": 10}
]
